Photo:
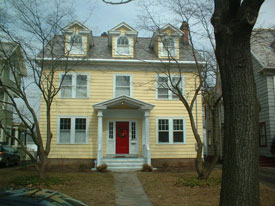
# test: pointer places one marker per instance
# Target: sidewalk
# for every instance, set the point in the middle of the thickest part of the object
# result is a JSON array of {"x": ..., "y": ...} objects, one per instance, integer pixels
[{"x": 129, "y": 190}]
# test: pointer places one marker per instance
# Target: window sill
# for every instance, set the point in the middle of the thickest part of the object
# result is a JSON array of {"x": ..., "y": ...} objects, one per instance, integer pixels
[
  {"x": 74, "y": 97},
  {"x": 72, "y": 143},
  {"x": 164, "y": 143},
  {"x": 167, "y": 99}
]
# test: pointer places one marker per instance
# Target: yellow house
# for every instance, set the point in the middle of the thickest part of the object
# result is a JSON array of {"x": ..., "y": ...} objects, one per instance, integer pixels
[{"x": 115, "y": 106}]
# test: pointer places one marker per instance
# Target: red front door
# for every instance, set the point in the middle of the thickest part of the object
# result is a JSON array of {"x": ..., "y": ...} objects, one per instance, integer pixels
[{"x": 122, "y": 137}]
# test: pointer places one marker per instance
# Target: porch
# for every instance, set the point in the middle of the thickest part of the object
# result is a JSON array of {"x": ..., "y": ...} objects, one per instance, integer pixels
[{"x": 126, "y": 121}]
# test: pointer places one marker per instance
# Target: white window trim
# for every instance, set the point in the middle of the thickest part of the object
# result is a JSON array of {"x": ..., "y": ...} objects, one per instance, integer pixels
[
  {"x": 74, "y": 85},
  {"x": 70, "y": 47},
  {"x": 170, "y": 93},
  {"x": 130, "y": 133},
  {"x": 170, "y": 123},
  {"x": 72, "y": 140},
  {"x": 116, "y": 47},
  {"x": 108, "y": 129},
  {"x": 162, "y": 48},
  {"x": 131, "y": 83}
]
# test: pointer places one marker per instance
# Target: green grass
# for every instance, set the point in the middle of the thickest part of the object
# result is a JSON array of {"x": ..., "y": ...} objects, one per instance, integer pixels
[
  {"x": 35, "y": 181},
  {"x": 192, "y": 181}
]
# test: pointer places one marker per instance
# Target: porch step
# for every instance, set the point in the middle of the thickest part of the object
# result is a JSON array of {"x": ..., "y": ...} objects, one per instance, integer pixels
[{"x": 124, "y": 164}]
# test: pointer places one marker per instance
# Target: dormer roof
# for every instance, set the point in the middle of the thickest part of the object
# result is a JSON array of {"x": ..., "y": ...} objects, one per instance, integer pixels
[
  {"x": 162, "y": 32},
  {"x": 115, "y": 31},
  {"x": 70, "y": 27},
  {"x": 82, "y": 29}
]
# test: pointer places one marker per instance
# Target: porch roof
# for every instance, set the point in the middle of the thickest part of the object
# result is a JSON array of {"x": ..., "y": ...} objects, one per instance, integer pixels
[{"x": 123, "y": 102}]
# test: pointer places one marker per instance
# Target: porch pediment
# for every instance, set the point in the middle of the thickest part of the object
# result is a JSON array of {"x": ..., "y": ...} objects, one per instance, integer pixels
[{"x": 123, "y": 102}]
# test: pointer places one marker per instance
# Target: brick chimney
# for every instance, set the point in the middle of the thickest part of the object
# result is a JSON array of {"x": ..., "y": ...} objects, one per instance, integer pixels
[{"x": 185, "y": 28}]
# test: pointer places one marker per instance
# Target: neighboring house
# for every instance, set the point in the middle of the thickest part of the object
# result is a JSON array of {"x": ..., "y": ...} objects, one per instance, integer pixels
[
  {"x": 213, "y": 120},
  {"x": 12, "y": 68},
  {"x": 115, "y": 107},
  {"x": 263, "y": 59}
]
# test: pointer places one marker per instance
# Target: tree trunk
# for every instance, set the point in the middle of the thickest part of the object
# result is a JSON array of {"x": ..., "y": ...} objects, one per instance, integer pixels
[
  {"x": 240, "y": 184},
  {"x": 42, "y": 167}
]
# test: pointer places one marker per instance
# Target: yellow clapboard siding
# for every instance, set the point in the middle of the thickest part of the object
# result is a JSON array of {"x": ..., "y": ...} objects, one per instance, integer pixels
[{"x": 101, "y": 89}]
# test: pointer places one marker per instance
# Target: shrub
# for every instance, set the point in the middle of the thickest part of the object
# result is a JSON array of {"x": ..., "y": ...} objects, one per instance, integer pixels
[
  {"x": 165, "y": 164},
  {"x": 194, "y": 181},
  {"x": 35, "y": 181},
  {"x": 147, "y": 168},
  {"x": 102, "y": 168},
  {"x": 83, "y": 167}
]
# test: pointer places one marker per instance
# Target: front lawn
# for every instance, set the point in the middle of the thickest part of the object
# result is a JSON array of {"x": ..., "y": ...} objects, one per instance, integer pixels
[
  {"x": 92, "y": 188},
  {"x": 179, "y": 188}
]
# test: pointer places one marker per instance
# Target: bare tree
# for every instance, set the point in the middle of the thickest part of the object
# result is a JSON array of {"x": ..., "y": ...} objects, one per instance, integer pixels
[
  {"x": 117, "y": 2},
  {"x": 35, "y": 28},
  {"x": 198, "y": 15},
  {"x": 233, "y": 22}
]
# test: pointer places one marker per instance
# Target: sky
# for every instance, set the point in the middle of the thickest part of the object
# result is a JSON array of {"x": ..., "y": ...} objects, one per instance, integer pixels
[{"x": 105, "y": 16}]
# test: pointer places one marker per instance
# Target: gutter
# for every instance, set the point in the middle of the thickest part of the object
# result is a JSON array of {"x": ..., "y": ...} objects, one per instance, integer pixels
[{"x": 121, "y": 60}]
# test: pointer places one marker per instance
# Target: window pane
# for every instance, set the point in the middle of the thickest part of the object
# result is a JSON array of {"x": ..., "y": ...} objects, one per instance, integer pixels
[
  {"x": 65, "y": 136},
  {"x": 65, "y": 130},
  {"x": 178, "y": 136},
  {"x": 262, "y": 135},
  {"x": 81, "y": 86},
  {"x": 81, "y": 91},
  {"x": 122, "y": 91},
  {"x": 66, "y": 87},
  {"x": 122, "y": 41},
  {"x": 163, "y": 93},
  {"x": 133, "y": 127},
  {"x": 123, "y": 50},
  {"x": 163, "y": 136},
  {"x": 123, "y": 81},
  {"x": 65, "y": 123},
  {"x": 80, "y": 130},
  {"x": 111, "y": 130},
  {"x": 80, "y": 136},
  {"x": 80, "y": 123},
  {"x": 178, "y": 124},
  {"x": 66, "y": 91},
  {"x": 163, "y": 124},
  {"x": 163, "y": 87},
  {"x": 67, "y": 81},
  {"x": 81, "y": 80}
]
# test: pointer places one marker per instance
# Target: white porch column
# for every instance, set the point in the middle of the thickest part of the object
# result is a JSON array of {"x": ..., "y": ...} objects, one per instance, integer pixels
[
  {"x": 99, "y": 137},
  {"x": 16, "y": 136},
  {"x": 147, "y": 136}
]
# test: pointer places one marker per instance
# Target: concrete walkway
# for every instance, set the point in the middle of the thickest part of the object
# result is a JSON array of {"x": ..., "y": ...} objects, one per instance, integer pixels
[{"x": 129, "y": 190}]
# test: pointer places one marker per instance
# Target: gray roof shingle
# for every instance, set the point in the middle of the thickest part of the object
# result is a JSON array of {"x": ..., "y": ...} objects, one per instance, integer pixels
[
  {"x": 101, "y": 50},
  {"x": 263, "y": 46},
  {"x": 7, "y": 49}
]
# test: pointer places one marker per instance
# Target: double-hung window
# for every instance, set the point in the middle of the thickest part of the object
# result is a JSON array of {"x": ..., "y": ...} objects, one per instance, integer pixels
[
  {"x": 123, "y": 46},
  {"x": 166, "y": 89},
  {"x": 168, "y": 47},
  {"x": 74, "y": 85},
  {"x": 76, "y": 44},
  {"x": 123, "y": 85},
  {"x": 73, "y": 130},
  {"x": 262, "y": 134},
  {"x": 171, "y": 130}
]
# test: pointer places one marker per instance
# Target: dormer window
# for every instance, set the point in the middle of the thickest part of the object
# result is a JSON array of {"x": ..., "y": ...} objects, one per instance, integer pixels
[
  {"x": 168, "y": 47},
  {"x": 122, "y": 46},
  {"x": 76, "y": 44}
]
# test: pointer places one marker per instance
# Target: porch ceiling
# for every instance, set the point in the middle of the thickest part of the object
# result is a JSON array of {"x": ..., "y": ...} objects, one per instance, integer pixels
[{"x": 123, "y": 102}]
